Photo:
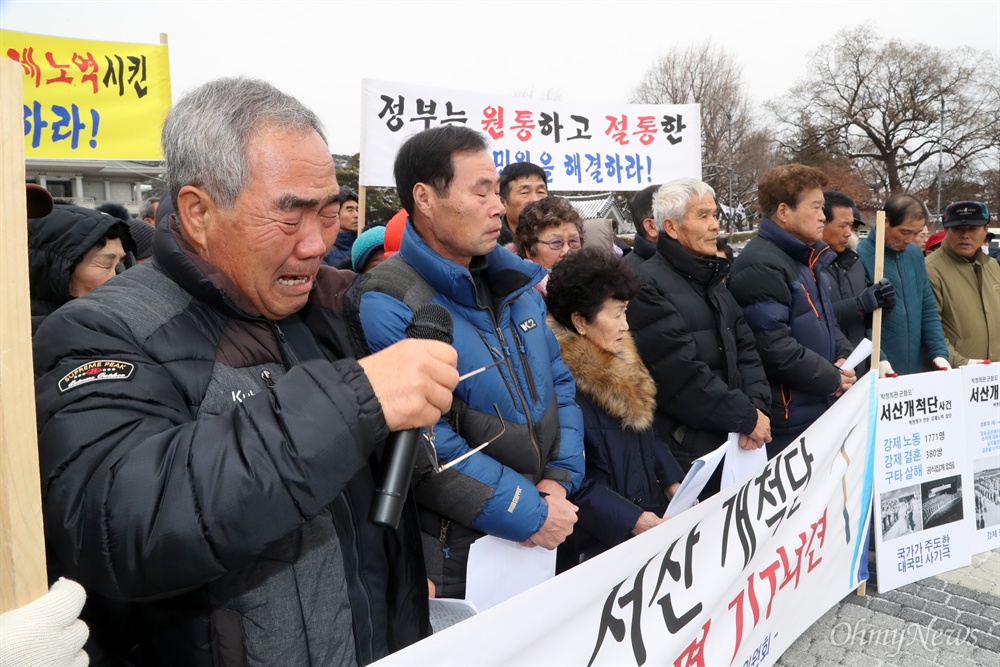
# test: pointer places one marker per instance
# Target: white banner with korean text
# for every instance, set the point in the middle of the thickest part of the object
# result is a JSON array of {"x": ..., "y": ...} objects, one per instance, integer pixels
[
  {"x": 923, "y": 480},
  {"x": 581, "y": 146},
  {"x": 734, "y": 580},
  {"x": 981, "y": 390}
]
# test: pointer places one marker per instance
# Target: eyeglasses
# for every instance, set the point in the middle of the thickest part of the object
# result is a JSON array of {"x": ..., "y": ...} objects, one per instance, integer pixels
[
  {"x": 557, "y": 244},
  {"x": 431, "y": 450},
  {"x": 428, "y": 433}
]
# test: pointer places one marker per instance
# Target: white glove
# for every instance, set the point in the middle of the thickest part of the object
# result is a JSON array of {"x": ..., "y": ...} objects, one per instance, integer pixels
[
  {"x": 942, "y": 364},
  {"x": 973, "y": 362},
  {"x": 46, "y": 631},
  {"x": 885, "y": 370}
]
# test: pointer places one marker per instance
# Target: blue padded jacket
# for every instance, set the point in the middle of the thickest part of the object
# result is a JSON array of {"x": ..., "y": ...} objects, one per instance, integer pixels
[
  {"x": 780, "y": 283},
  {"x": 492, "y": 491}
]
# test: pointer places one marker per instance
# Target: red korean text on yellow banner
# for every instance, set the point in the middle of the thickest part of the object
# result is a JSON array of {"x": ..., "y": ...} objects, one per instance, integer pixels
[{"x": 89, "y": 99}]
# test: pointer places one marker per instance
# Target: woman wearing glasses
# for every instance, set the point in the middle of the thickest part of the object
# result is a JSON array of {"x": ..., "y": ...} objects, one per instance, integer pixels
[
  {"x": 548, "y": 230},
  {"x": 630, "y": 473}
]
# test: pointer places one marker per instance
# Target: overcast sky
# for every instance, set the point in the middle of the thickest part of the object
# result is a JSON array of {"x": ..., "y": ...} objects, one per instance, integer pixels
[{"x": 574, "y": 50}]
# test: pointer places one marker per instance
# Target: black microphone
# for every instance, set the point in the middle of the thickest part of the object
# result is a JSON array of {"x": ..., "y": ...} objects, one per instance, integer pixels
[{"x": 430, "y": 322}]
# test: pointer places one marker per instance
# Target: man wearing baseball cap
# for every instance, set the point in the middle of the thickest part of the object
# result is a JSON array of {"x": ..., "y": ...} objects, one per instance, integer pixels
[{"x": 966, "y": 285}]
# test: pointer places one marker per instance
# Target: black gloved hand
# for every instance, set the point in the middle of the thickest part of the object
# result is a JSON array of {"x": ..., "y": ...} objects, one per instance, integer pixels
[{"x": 880, "y": 295}]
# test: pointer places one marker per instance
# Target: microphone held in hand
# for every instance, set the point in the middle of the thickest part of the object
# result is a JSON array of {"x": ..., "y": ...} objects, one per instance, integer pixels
[{"x": 430, "y": 322}]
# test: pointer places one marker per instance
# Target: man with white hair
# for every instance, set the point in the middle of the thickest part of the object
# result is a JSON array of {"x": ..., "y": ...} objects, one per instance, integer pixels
[{"x": 691, "y": 333}]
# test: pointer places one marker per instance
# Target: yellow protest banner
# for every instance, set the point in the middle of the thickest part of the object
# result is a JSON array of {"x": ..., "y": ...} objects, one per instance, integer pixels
[{"x": 89, "y": 99}]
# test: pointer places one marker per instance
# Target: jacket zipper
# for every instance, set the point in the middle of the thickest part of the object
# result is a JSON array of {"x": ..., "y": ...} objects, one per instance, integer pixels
[
  {"x": 288, "y": 357},
  {"x": 499, "y": 356},
  {"x": 517, "y": 389},
  {"x": 355, "y": 566},
  {"x": 527, "y": 368}
]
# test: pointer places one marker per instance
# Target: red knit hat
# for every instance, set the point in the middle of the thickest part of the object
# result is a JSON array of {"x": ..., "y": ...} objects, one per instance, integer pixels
[{"x": 394, "y": 233}]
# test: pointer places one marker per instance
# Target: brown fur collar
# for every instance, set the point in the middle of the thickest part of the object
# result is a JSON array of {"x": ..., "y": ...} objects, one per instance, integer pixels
[{"x": 618, "y": 383}]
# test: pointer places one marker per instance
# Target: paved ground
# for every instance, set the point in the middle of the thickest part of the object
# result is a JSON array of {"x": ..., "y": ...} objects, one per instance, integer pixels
[{"x": 951, "y": 619}]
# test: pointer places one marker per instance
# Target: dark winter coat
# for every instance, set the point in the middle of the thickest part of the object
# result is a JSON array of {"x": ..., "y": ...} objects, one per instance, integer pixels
[
  {"x": 847, "y": 282},
  {"x": 911, "y": 332},
  {"x": 339, "y": 256},
  {"x": 785, "y": 294},
  {"x": 56, "y": 244},
  {"x": 206, "y": 474},
  {"x": 692, "y": 336},
  {"x": 628, "y": 467},
  {"x": 642, "y": 249},
  {"x": 506, "y": 233}
]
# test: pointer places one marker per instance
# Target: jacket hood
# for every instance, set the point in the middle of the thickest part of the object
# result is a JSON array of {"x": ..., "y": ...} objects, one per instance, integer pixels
[
  {"x": 618, "y": 383},
  {"x": 57, "y": 242}
]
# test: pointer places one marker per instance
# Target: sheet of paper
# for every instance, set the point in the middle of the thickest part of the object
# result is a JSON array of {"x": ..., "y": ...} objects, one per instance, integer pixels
[
  {"x": 861, "y": 352},
  {"x": 699, "y": 474},
  {"x": 740, "y": 463},
  {"x": 446, "y": 612},
  {"x": 500, "y": 569}
]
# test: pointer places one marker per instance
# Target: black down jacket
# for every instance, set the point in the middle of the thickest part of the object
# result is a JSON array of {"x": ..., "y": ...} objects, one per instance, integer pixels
[
  {"x": 847, "y": 282},
  {"x": 693, "y": 339},
  {"x": 206, "y": 474}
]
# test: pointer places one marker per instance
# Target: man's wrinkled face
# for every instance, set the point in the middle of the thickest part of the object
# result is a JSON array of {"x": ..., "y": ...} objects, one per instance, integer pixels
[
  {"x": 699, "y": 229},
  {"x": 904, "y": 234},
  {"x": 966, "y": 240},
  {"x": 837, "y": 232},
  {"x": 272, "y": 241},
  {"x": 464, "y": 221},
  {"x": 805, "y": 221},
  {"x": 522, "y": 192}
]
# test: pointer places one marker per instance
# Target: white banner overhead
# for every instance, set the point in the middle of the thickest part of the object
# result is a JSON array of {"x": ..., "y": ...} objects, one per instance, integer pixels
[
  {"x": 581, "y": 146},
  {"x": 734, "y": 580}
]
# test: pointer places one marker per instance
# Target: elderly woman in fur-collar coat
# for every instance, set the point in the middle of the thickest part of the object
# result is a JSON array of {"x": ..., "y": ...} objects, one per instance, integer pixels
[{"x": 631, "y": 474}]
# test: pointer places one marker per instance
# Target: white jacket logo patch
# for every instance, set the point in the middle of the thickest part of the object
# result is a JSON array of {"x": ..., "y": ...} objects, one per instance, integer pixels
[
  {"x": 528, "y": 324},
  {"x": 95, "y": 371}
]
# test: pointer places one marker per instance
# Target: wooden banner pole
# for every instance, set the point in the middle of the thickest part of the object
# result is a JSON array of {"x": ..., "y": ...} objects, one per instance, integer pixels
[
  {"x": 362, "y": 217},
  {"x": 22, "y": 541},
  {"x": 879, "y": 268},
  {"x": 879, "y": 233}
]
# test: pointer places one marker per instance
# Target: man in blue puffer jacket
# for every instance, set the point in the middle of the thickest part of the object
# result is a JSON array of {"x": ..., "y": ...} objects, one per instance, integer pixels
[
  {"x": 780, "y": 283},
  {"x": 911, "y": 331},
  {"x": 515, "y": 488}
]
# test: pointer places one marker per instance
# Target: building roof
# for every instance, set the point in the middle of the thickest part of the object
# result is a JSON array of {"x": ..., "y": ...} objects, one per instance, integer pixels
[{"x": 601, "y": 205}]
